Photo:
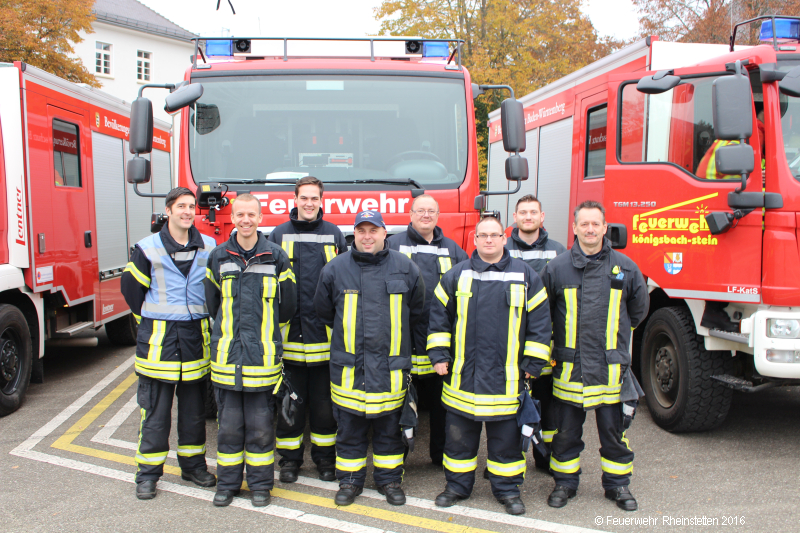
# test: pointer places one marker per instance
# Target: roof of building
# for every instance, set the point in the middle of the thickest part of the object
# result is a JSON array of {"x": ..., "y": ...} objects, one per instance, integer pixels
[{"x": 137, "y": 16}]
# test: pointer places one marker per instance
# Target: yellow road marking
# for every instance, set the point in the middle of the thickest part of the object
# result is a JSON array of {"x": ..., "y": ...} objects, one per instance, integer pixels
[{"x": 65, "y": 442}]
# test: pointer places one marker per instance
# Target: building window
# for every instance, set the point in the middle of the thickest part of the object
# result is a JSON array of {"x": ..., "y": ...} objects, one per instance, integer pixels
[
  {"x": 66, "y": 155},
  {"x": 596, "y": 143},
  {"x": 143, "y": 65},
  {"x": 102, "y": 62}
]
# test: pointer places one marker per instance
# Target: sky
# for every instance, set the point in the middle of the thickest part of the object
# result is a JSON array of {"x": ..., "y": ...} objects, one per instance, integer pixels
[{"x": 327, "y": 18}]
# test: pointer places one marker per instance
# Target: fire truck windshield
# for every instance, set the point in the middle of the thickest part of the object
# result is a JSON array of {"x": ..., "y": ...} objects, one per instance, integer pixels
[
  {"x": 343, "y": 128},
  {"x": 790, "y": 124}
]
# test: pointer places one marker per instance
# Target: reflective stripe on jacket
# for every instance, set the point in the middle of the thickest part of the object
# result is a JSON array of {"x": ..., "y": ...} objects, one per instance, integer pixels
[
  {"x": 491, "y": 322},
  {"x": 249, "y": 302},
  {"x": 433, "y": 259},
  {"x": 595, "y": 305},
  {"x": 707, "y": 168},
  {"x": 310, "y": 246},
  {"x": 372, "y": 303}
]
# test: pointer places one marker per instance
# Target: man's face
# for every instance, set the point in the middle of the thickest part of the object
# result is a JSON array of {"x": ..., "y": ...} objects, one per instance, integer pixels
[
  {"x": 528, "y": 217},
  {"x": 181, "y": 213},
  {"x": 425, "y": 215},
  {"x": 246, "y": 216},
  {"x": 590, "y": 227},
  {"x": 369, "y": 238},
  {"x": 308, "y": 201},
  {"x": 490, "y": 239}
]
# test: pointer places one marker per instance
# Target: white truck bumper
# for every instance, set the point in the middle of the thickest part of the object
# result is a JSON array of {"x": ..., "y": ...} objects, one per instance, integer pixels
[{"x": 774, "y": 357}]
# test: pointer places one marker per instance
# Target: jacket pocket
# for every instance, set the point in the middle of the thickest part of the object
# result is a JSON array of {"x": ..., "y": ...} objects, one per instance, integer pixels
[
  {"x": 515, "y": 295},
  {"x": 144, "y": 393},
  {"x": 564, "y": 355},
  {"x": 270, "y": 287},
  {"x": 618, "y": 357},
  {"x": 396, "y": 286},
  {"x": 229, "y": 284},
  {"x": 445, "y": 263},
  {"x": 400, "y": 363},
  {"x": 396, "y": 289}
]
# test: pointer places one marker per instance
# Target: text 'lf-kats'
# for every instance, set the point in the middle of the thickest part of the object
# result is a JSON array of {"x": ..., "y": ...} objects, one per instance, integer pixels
[
  {"x": 69, "y": 219},
  {"x": 694, "y": 150}
]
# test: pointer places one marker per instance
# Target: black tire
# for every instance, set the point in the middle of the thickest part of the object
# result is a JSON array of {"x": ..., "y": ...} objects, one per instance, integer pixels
[
  {"x": 676, "y": 374},
  {"x": 211, "y": 402},
  {"x": 16, "y": 358},
  {"x": 123, "y": 330}
]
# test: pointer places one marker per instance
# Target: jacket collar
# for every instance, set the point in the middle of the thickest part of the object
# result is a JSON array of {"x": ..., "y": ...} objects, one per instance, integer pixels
[
  {"x": 414, "y": 235},
  {"x": 365, "y": 258},
  {"x": 304, "y": 225},
  {"x": 579, "y": 260},
  {"x": 479, "y": 265},
  {"x": 522, "y": 245},
  {"x": 172, "y": 246},
  {"x": 262, "y": 245}
]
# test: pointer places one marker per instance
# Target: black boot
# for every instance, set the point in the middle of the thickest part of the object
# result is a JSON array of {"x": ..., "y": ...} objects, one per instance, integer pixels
[
  {"x": 448, "y": 498},
  {"x": 347, "y": 494},
  {"x": 513, "y": 505},
  {"x": 560, "y": 496},
  {"x": 486, "y": 473},
  {"x": 224, "y": 498},
  {"x": 261, "y": 498},
  {"x": 146, "y": 490},
  {"x": 393, "y": 492},
  {"x": 623, "y": 497},
  {"x": 289, "y": 471},
  {"x": 199, "y": 477},
  {"x": 327, "y": 470}
]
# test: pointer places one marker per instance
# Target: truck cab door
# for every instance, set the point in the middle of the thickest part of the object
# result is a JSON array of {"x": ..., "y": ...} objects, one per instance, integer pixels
[{"x": 661, "y": 182}]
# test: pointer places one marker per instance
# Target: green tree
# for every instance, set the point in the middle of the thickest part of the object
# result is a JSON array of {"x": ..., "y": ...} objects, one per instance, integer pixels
[
  {"x": 522, "y": 43},
  {"x": 42, "y": 32}
]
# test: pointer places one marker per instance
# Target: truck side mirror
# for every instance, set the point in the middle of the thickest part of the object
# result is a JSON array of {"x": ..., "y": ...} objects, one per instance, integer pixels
[
  {"x": 731, "y": 103},
  {"x": 138, "y": 170},
  {"x": 516, "y": 168},
  {"x": 141, "y": 134},
  {"x": 660, "y": 82},
  {"x": 790, "y": 84},
  {"x": 512, "y": 122},
  {"x": 735, "y": 159},
  {"x": 184, "y": 96}
]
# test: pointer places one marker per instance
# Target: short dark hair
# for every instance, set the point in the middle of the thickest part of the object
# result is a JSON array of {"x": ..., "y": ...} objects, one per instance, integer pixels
[
  {"x": 589, "y": 204},
  {"x": 528, "y": 198},
  {"x": 174, "y": 194},
  {"x": 489, "y": 217},
  {"x": 308, "y": 180}
]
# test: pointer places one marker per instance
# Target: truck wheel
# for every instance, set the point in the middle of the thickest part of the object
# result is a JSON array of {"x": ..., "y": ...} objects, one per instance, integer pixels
[
  {"x": 15, "y": 358},
  {"x": 122, "y": 331},
  {"x": 676, "y": 374},
  {"x": 211, "y": 402}
]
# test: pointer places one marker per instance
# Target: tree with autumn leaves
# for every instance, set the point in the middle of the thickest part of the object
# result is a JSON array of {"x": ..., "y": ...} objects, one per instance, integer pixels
[
  {"x": 42, "y": 32},
  {"x": 522, "y": 43}
]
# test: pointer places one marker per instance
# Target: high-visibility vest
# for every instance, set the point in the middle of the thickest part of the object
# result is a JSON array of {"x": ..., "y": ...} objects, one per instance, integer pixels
[{"x": 707, "y": 169}]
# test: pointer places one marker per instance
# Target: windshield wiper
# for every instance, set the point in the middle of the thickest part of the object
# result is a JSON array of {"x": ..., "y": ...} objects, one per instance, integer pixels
[
  {"x": 254, "y": 180},
  {"x": 385, "y": 181}
]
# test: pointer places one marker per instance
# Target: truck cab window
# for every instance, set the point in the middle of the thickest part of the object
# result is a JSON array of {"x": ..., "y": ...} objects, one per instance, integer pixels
[
  {"x": 596, "y": 121},
  {"x": 66, "y": 156}
]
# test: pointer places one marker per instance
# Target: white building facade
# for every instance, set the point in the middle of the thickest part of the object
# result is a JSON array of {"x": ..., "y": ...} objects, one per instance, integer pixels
[{"x": 132, "y": 45}]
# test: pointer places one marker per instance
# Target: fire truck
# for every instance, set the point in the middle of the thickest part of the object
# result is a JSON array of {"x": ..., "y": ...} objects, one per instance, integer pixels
[
  {"x": 694, "y": 151},
  {"x": 70, "y": 218}
]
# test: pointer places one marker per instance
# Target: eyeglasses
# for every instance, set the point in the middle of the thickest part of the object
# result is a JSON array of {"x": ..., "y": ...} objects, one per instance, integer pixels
[
  {"x": 423, "y": 212},
  {"x": 484, "y": 236}
]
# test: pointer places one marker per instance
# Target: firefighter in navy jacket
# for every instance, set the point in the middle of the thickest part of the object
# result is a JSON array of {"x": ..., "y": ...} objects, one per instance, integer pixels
[
  {"x": 489, "y": 330},
  {"x": 597, "y": 297},
  {"x": 250, "y": 289},
  {"x": 163, "y": 286},
  {"x": 530, "y": 242},
  {"x": 372, "y": 298},
  {"x": 310, "y": 243},
  {"x": 425, "y": 243}
]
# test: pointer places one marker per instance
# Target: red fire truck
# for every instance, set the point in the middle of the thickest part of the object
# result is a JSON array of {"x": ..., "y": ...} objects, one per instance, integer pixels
[
  {"x": 666, "y": 135},
  {"x": 70, "y": 219}
]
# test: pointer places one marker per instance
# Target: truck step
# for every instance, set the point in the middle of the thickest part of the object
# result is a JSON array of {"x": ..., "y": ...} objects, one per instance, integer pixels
[
  {"x": 747, "y": 386},
  {"x": 69, "y": 331},
  {"x": 742, "y": 338}
]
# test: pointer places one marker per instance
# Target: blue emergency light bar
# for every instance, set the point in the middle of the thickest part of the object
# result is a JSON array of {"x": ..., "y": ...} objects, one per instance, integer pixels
[
  {"x": 435, "y": 49},
  {"x": 784, "y": 29},
  {"x": 219, "y": 48}
]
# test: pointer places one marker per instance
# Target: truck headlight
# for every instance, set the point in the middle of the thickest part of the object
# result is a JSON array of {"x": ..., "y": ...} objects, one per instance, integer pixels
[{"x": 783, "y": 328}]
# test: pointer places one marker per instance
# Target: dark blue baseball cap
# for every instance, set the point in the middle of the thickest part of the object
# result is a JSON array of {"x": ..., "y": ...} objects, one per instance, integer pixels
[{"x": 373, "y": 217}]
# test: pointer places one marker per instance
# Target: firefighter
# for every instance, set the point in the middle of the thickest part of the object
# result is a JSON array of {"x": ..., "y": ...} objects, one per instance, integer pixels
[
  {"x": 250, "y": 289},
  {"x": 489, "y": 331},
  {"x": 163, "y": 286},
  {"x": 597, "y": 296},
  {"x": 530, "y": 242},
  {"x": 425, "y": 243},
  {"x": 372, "y": 298},
  {"x": 310, "y": 243}
]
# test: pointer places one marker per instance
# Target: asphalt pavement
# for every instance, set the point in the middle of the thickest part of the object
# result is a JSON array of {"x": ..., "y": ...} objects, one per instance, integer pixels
[{"x": 66, "y": 464}]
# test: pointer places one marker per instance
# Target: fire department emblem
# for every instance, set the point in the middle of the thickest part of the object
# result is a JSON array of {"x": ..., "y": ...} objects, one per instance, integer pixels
[
  {"x": 673, "y": 262},
  {"x": 367, "y": 214}
]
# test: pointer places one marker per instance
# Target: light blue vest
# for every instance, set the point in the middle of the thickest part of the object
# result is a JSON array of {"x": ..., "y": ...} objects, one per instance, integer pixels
[{"x": 173, "y": 296}]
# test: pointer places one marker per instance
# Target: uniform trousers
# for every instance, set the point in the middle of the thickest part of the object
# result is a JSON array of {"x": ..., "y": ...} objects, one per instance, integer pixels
[
  {"x": 616, "y": 456},
  {"x": 506, "y": 462},
  {"x": 313, "y": 385},
  {"x": 542, "y": 390},
  {"x": 245, "y": 437},
  {"x": 429, "y": 390},
  {"x": 155, "y": 400},
  {"x": 352, "y": 442}
]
